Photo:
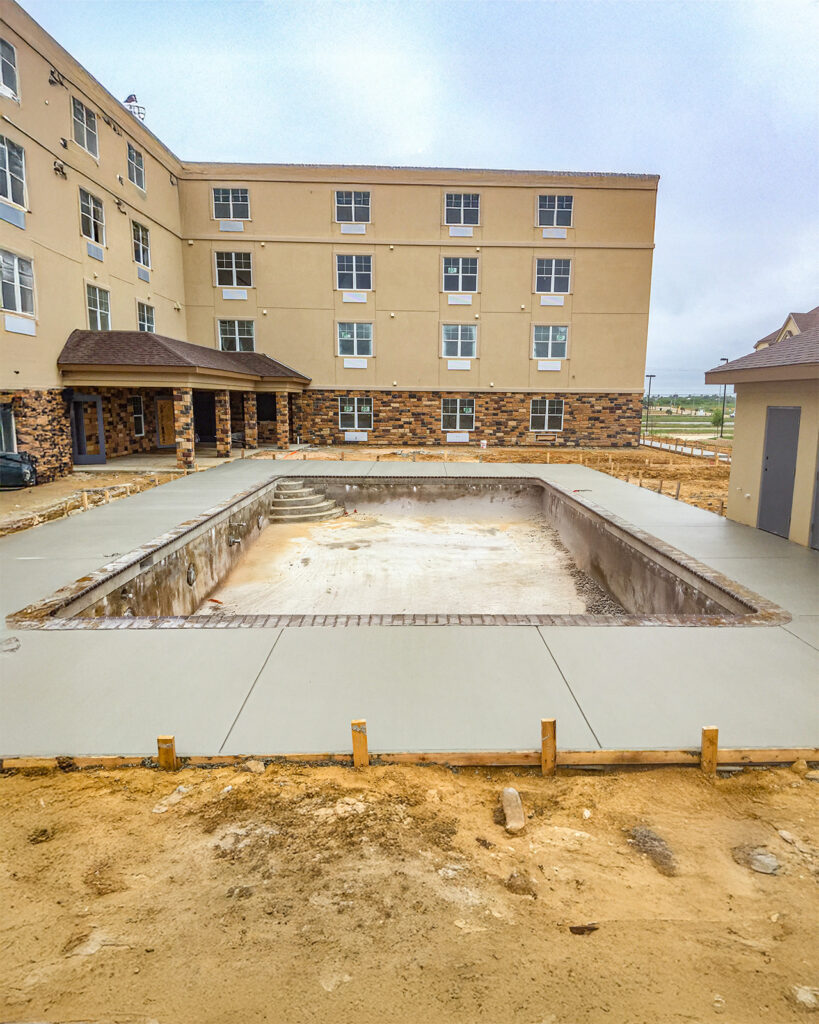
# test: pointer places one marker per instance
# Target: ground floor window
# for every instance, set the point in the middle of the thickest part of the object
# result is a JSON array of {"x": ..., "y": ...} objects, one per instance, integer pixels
[
  {"x": 549, "y": 342},
  {"x": 457, "y": 414},
  {"x": 546, "y": 414},
  {"x": 355, "y": 413},
  {"x": 99, "y": 309},
  {"x": 355, "y": 339},
  {"x": 145, "y": 317},
  {"x": 137, "y": 415},
  {"x": 459, "y": 341},
  {"x": 237, "y": 335},
  {"x": 8, "y": 437}
]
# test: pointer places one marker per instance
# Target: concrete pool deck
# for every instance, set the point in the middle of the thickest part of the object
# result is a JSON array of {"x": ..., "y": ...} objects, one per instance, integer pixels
[{"x": 421, "y": 688}]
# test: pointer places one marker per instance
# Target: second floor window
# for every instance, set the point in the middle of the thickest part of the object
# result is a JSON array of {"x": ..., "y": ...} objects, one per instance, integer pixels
[
  {"x": 354, "y": 273},
  {"x": 142, "y": 244},
  {"x": 231, "y": 204},
  {"x": 234, "y": 269},
  {"x": 355, "y": 413},
  {"x": 236, "y": 335},
  {"x": 8, "y": 70},
  {"x": 457, "y": 414},
  {"x": 460, "y": 273},
  {"x": 136, "y": 167},
  {"x": 355, "y": 339},
  {"x": 12, "y": 172},
  {"x": 353, "y": 206},
  {"x": 145, "y": 317},
  {"x": 552, "y": 276},
  {"x": 92, "y": 217},
  {"x": 462, "y": 208},
  {"x": 554, "y": 211},
  {"x": 99, "y": 308},
  {"x": 85, "y": 127},
  {"x": 459, "y": 341},
  {"x": 549, "y": 342},
  {"x": 18, "y": 283}
]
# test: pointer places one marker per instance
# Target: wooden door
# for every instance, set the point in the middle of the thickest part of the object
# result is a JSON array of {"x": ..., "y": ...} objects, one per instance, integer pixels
[{"x": 166, "y": 435}]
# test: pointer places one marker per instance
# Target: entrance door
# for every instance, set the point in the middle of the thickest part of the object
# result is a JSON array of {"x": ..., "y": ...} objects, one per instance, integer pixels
[
  {"x": 165, "y": 433},
  {"x": 87, "y": 434},
  {"x": 778, "y": 470}
]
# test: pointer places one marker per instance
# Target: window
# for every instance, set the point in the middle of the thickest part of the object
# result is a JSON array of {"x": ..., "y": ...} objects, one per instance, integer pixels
[
  {"x": 237, "y": 335},
  {"x": 142, "y": 244},
  {"x": 354, "y": 273},
  {"x": 145, "y": 317},
  {"x": 355, "y": 339},
  {"x": 8, "y": 436},
  {"x": 92, "y": 217},
  {"x": 137, "y": 415},
  {"x": 99, "y": 309},
  {"x": 459, "y": 341},
  {"x": 546, "y": 414},
  {"x": 549, "y": 342},
  {"x": 353, "y": 206},
  {"x": 136, "y": 167},
  {"x": 554, "y": 211},
  {"x": 231, "y": 204},
  {"x": 460, "y": 273},
  {"x": 355, "y": 413},
  {"x": 18, "y": 283},
  {"x": 8, "y": 70},
  {"x": 85, "y": 127},
  {"x": 234, "y": 269},
  {"x": 552, "y": 275},
  {"x": 457, "y": 414},
  {"x": 12, "y": 172},
  {"x": 462, "y": 208}
]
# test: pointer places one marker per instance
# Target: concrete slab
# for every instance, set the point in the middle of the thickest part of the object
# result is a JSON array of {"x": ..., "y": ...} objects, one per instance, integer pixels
[
  {"x": 115, "y": 692},
  {"x": 806, "y": 627},
  {"x": 657, "y": 687},
  {"x": 792, "y": 583},
  {"x": 434, "y": 688}
]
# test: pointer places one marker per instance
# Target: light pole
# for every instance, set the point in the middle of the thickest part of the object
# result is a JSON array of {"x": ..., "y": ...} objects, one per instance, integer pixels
[
  {"x": 724, "y": 359},
  {"x": 649, "y": 377}
]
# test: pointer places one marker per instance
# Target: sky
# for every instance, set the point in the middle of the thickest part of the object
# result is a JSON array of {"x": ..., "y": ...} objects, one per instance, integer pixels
[{"x": 719, "y": 97}]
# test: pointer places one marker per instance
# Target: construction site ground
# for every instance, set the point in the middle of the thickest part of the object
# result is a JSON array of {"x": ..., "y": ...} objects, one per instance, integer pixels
[{"x": 394, "y": 894}]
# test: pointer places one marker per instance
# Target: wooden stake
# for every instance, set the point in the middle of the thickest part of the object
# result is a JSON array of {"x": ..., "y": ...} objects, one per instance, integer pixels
[
  {"x": 84, "y": 499},
  {"x": 166, "y": 753},
  {"x": 709, "y": 752},
  {"x": 660, "y": 488},
  {"x": 677, "y": 492},
  {"x": 722, "y": 507},
  {"x": 361, "y": 756},
  {"x": 548, "y": 746}
]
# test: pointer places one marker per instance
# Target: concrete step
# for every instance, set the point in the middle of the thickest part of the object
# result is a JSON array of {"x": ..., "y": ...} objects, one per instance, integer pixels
[
  {"x": 302, "y": 499},
  {"x": 306, "y": 517},
  {"x": 304, "y": 492},
  {"x": 300, "y": 506},
  {"x": 289, "y": 485}
]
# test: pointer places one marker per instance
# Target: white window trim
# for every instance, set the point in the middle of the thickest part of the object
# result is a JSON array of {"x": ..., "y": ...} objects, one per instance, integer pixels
[
  {"x": 234, "y": 320},
  {"x": 17, "y": 290},
  {"x": 450, "y": 323},
  {"x": 135, "y": 223},
  {"x": 148, "y": 305},
  {"x": 102, "y": 213},
  {"x": 7, "y": 171},
  {"x": 355, "y": 355},
  {"x": 568, "y": 332},
  {"x": 99, "y": 288},
  {"x": 556, "y": 195},
  {"x": 355, "y": 400},
  {"x": 229, "y": 188},
  {"x": 461, "y": 291},
  {"x": 4, "y": 89},
  {"x": 140, "y": 414},
  {"x": 458, "y": 428},
  {"x": 369, "y": 219},
  {"x": 130, "y": 146},
  {"x": 88, "y": 110},
  {"x": 355, "y": 287},
  {"x": 553, "y": 259},
  {"x": 232, "y": 253},
  {"x": 461, "y": 222},
  {"x": 546, "y": 429}
]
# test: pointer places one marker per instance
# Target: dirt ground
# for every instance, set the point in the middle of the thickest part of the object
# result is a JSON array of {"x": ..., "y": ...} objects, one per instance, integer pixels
[{"x": 391, "y": 894}]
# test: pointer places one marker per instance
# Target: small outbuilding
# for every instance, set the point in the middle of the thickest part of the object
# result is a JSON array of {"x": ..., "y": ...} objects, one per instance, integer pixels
[{"x": 774, "y": 466}]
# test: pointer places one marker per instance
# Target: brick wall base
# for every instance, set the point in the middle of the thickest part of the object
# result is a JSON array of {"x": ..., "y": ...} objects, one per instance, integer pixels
[
  {"x": 43, "y": 426},
  {"x": 599, "y": 420}
]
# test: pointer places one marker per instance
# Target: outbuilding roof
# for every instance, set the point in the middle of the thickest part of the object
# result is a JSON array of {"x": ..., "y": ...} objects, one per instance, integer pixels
[{"x": 799, "y": 350}]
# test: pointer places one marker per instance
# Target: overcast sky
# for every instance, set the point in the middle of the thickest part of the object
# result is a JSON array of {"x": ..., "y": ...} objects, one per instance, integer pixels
[{"x": 719, "y": 98}]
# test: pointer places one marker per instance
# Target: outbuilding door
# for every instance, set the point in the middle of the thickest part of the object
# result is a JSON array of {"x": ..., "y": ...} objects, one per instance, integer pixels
[{"x": 778, "y": 469}]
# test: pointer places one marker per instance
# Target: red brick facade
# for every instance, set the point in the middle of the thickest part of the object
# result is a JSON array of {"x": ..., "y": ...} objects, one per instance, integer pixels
[{"x": 502, "y": 418}]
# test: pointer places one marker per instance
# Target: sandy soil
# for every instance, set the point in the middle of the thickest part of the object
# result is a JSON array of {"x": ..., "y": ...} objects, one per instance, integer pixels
[{"x": 309, "y": 894}]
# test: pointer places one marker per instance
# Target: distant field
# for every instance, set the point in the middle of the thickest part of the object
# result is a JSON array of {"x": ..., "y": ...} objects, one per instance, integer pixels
[{"x": 689, "y": 426}]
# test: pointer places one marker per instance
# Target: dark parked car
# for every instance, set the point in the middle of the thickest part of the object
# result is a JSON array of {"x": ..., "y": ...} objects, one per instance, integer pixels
[{"x": 16, "y": 470}]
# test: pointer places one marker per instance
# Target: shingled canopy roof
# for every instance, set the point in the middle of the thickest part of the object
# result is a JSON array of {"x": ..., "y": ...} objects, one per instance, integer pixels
[
  {"x": 790, "y": 357},
  {"x": 141, "y": 348}
]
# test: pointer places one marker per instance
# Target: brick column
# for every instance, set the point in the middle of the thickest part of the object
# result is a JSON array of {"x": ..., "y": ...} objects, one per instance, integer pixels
[
  {"x": 223, "y": 426},
  {"x": 183, "y": 427},
  {"x": 251, "y": 422},
  {"x": 282, "y": 420}
]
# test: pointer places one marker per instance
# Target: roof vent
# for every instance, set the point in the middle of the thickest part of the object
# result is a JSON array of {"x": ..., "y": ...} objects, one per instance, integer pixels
[{"x": 134, "y": 107}]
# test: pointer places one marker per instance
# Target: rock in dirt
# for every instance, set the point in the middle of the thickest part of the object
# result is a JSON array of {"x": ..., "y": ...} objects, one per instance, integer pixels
[
  {"x": 253, "y": 766},
  {"x": 583, "y": 929},
  {"x": 813, "y": 776},
  {"x": 806, "y": 997},
  {"x": 172, "y": 798},
  {"x": 757, "y": 858},
  {"x": 514, "y": 819},
  {"x": 800, "y": 767},
  {"x": 40, "y": 835},
  {"x": 239, "y": 892},
  {"x": 520, "y": 884},
  {"x": 796, "y": 842},
  {"x": 655, "y": 848}
]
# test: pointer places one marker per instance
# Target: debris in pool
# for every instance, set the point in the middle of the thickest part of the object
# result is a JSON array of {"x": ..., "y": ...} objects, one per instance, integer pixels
[{"x": 215, "y": 600}]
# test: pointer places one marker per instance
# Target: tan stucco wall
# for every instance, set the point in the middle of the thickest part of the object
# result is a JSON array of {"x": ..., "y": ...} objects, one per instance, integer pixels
[{"x": 753, "y": 400}]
